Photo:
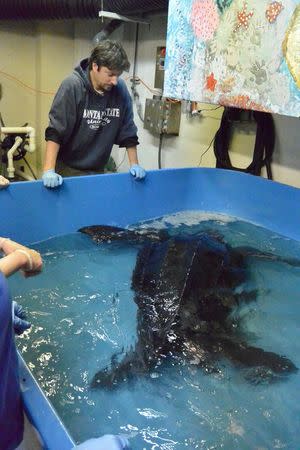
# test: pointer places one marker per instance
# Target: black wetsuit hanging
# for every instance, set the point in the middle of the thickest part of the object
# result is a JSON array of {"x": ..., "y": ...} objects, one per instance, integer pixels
[{"x": 264, "y": 143}]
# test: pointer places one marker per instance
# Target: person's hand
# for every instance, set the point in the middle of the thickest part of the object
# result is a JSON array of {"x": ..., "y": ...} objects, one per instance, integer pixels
[
  {"x": 52, "y": 179},
  {"x": 137, "y": 172},
  {"x": 106, "y": 442},
  {"x": 3, "y": 182},
  {"x": 33, "y": 262},
  {"x": 20, "y": 323}
]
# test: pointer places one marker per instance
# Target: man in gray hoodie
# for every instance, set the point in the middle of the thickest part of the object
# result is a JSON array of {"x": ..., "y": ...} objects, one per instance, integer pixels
[{"x": 91, "y": 111}]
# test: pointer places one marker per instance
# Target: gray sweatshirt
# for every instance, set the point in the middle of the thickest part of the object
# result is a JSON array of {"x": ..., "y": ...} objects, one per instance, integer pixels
[{"x": 87, "y": 124}]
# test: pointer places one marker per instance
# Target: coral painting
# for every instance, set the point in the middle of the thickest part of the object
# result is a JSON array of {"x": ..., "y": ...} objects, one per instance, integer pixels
[{"x": 235, "y": 53}]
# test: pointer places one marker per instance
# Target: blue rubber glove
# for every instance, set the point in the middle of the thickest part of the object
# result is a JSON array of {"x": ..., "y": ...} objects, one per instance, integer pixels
[
  {"x": 137, "y": 172},
  {"x": 18, "y": 319},
  {"x": 106, "y": 442},
  {"x": 51, "y": 179}
]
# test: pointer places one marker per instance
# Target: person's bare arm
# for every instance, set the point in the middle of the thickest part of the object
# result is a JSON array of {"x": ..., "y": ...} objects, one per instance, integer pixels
[
  {"x": 52, "y": 149},
  {"x": 132, "y": 156},
  {"x": 18, "y": 257}
]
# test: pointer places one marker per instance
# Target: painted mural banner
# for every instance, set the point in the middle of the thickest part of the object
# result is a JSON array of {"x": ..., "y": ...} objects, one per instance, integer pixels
[{"x": 235, "y": 53}]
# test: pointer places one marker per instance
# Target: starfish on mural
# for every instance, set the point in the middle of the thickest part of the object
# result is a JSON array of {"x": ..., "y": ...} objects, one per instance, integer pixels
[
  {"x": 273, "y": 10},
  {"x": 211, "y": 82},
  {"x": 243, "y": 18}
]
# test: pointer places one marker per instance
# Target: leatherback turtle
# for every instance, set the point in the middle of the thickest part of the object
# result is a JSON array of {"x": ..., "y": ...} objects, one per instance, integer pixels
[{"x": 186, "y": 288}]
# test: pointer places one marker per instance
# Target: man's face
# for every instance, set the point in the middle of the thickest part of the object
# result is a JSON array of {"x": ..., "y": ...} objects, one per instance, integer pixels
[{"x": 103, "y": 78}]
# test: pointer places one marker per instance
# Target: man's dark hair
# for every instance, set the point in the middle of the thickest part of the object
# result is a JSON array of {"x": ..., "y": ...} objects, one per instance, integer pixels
[{"x": 109, "y": 54}]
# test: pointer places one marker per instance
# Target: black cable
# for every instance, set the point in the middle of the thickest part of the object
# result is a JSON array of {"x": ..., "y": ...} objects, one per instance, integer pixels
[
  {"x": 206, "y": 150},
  {"x": 264, "y": 142},
  {"x": 159, "y": 149},
  {"x": 21, "y": 151},
  {"x": 1, "y": 121},
  {"x": 210, "y": 109},
  {"x": 135, "y": 94},
  {"x": 135, "y": 50}
]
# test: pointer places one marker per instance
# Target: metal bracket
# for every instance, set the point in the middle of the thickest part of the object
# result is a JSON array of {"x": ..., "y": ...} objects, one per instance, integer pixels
[{"x": 111, "y": 15}]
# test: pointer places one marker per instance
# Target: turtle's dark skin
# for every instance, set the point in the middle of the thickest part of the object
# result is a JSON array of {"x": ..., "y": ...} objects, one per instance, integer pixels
[{"x": 185, "y": 290}]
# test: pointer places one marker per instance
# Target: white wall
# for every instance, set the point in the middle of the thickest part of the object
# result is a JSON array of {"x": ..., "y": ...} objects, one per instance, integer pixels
[{"x": 42, "y": 54}]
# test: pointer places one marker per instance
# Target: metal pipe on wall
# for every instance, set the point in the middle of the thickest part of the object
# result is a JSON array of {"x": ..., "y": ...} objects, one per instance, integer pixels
[{"x": 106, "y": 31}]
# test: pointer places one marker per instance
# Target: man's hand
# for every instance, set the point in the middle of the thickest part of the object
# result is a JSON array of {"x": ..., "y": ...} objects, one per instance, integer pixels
[
  {"x": 137, "y": 172},
  {"x": 52, "y": 179},
  {"x": 18, "y": 319}
]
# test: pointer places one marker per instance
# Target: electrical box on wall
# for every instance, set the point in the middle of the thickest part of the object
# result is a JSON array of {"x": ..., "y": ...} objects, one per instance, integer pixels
[
  {"x": 162, "y": 116},
  {"x": 160, "y": 68}
]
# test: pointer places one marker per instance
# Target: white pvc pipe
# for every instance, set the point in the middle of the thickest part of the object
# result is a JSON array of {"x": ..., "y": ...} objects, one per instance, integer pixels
[
  {"x": 22, "y": 130},
  {"x": 10, "y": 155}
]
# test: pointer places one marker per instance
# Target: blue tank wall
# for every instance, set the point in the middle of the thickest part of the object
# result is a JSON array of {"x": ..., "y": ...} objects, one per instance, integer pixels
[{"x": 30, "y": 213}]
